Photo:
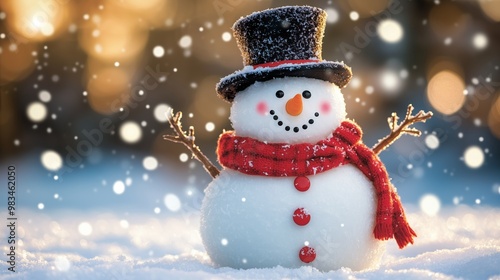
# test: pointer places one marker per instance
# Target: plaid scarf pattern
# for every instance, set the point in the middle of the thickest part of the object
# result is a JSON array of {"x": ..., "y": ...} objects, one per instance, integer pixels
[{"x": 343, "y": 146}]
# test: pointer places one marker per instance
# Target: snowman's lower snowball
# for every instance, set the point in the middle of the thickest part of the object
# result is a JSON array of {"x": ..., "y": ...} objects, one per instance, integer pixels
[{"x": 261, "y": 232}]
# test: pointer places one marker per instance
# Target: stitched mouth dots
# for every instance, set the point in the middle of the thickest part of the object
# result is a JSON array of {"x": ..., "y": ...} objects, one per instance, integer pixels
[{"x": 295, "y": 129}]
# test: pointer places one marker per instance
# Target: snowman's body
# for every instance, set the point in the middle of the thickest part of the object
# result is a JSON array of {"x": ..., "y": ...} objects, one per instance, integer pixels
[{"x": 247, "y": 219}]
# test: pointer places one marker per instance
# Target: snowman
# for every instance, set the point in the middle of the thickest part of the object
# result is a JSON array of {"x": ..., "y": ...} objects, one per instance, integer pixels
[{"x": 298, "y": 186}]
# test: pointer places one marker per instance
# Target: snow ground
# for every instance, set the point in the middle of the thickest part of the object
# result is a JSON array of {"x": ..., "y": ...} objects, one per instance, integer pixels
[{"x": 460, "y": 242}]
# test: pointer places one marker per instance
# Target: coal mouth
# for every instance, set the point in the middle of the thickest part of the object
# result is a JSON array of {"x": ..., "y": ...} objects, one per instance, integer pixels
[{"x": 295, "y": 129}]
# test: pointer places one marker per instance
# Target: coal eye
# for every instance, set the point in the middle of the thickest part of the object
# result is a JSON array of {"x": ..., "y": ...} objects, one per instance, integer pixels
[
  {"x": 280, "y": 94},
  {"x": 306, "y": 94}
]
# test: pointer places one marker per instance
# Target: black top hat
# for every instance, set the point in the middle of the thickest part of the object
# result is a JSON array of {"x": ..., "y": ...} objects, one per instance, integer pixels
[{"x": 282, "y": 42}]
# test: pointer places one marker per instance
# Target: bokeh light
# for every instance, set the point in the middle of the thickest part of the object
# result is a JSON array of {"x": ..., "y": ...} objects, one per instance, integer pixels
[
  {"x": 85, "y": 228},
  {"x": 390, "y": 31},
  {"x": 432, "y": 141},
  {"x": 473, "y": 157},
  {"x": 491, "y": 9},
  {"x": 150, "y": 163},
  {"x": 108, "y": 89},
  {"x": 480, "y": 41},
  {"x": 172, "y": 202},
  {"x": 161, "y": 112},
  {"x": 44, "y": 96},
  {"x": 354, "y": 16},
  {"x": 36, "y": 112},
  {"x": 445, "y": 92},
  {"x": 16, "y": 60},
  {"x": 183, "y": 157},
  {"x": 158, "y": 51},
  {"x": 37, "y": 20},
  {"x": 130, "y": 132},
  {"x": 430, "y": 204},
  {"x": 390, "y": 81},
  {"x": 119, "y": 187},
  {"x": 332, "y": 15},
  {"x": 209, "y": 126},
  {"x": 112, "y": 37},
  {"x": 139, "y": 5},
  {"x": 124, "y": 224},
  {"x": 51, "y": 160},
  {"x": 185, "y": 42},
  {"x": 226, "y": 36}
]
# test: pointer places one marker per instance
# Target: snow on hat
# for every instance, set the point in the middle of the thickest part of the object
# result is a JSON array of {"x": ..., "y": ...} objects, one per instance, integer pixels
[{"x": 282, "y": 42}]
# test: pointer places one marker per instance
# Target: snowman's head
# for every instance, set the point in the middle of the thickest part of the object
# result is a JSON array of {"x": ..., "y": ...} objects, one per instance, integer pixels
[{"x": 288, "y": 110}]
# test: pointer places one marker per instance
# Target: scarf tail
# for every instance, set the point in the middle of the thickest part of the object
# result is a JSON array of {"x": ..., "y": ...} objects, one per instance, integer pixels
[
  {"x": 403, "y": 233},
  {"x": 366, "y": 161},
  {"x": 390, "y": 219}
]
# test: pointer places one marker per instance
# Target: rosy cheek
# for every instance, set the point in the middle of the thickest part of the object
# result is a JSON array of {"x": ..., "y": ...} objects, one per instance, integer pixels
[
  {"x": 262, "y": 108},
  {"x": 325, "y": 107}
]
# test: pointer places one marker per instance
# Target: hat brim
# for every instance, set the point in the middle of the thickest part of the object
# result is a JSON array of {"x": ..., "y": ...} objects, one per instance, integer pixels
[{"x": 334, "y": 72}]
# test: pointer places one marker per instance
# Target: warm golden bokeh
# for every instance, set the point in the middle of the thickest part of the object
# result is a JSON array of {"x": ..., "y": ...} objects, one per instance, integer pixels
[
  {"x": 439, "y": 64},
  {"x": 37, "y": 20},
  {"x": 16, "y": 61},
  {"x": 108, "y": 90},
  {"x": 491, "y": 8},
  {"x": 113, "y": 38},
  {"x": 494, "y": 117},
  {"x": 205, "y": 105},
  {"x": 445, "y": 92}
]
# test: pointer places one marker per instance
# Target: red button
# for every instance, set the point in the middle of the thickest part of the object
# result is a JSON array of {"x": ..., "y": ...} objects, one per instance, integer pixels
[
  {"x": 301, "y": 217},
  {"x": 302, "y": 183},
  {"x": 307, "y": 254}
]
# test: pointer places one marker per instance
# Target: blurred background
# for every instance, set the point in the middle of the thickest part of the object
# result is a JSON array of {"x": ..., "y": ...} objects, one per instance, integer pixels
[{"x": 85, "y": 87}]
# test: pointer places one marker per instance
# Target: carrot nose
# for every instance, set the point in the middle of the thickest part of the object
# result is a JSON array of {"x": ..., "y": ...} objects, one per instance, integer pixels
[{"x": 294, "y": 105}]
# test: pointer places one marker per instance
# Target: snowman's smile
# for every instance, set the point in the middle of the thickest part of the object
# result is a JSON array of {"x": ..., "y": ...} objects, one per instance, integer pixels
[{"x": 294, "y": 128}]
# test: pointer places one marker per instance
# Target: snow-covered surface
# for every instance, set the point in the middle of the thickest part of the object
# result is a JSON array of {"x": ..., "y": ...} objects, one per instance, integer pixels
[{"x": 460, "y": 242}]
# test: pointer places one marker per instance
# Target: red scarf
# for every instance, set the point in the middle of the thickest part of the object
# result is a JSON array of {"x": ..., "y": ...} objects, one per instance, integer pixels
[{"x": 344, "y": 146}]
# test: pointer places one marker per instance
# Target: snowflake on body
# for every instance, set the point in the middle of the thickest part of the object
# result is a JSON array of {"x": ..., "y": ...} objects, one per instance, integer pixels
[{"x": 298, "y": 186}]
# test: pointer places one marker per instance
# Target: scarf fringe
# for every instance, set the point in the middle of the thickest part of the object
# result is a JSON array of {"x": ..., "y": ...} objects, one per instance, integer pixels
[
  {"x": 383, "y": 231},
  {"x": 403, "y": 233}
]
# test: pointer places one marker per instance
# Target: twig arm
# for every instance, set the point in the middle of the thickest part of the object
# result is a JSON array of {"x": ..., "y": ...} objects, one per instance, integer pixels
[
  {"x": 397, "y": 130},
  {"x": 188, "y": 140}
]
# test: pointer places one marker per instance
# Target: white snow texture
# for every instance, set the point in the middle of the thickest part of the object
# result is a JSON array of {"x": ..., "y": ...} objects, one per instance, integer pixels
[
  {"x": 460, "y": 242},
  {"x": 253, "y": 214}
]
